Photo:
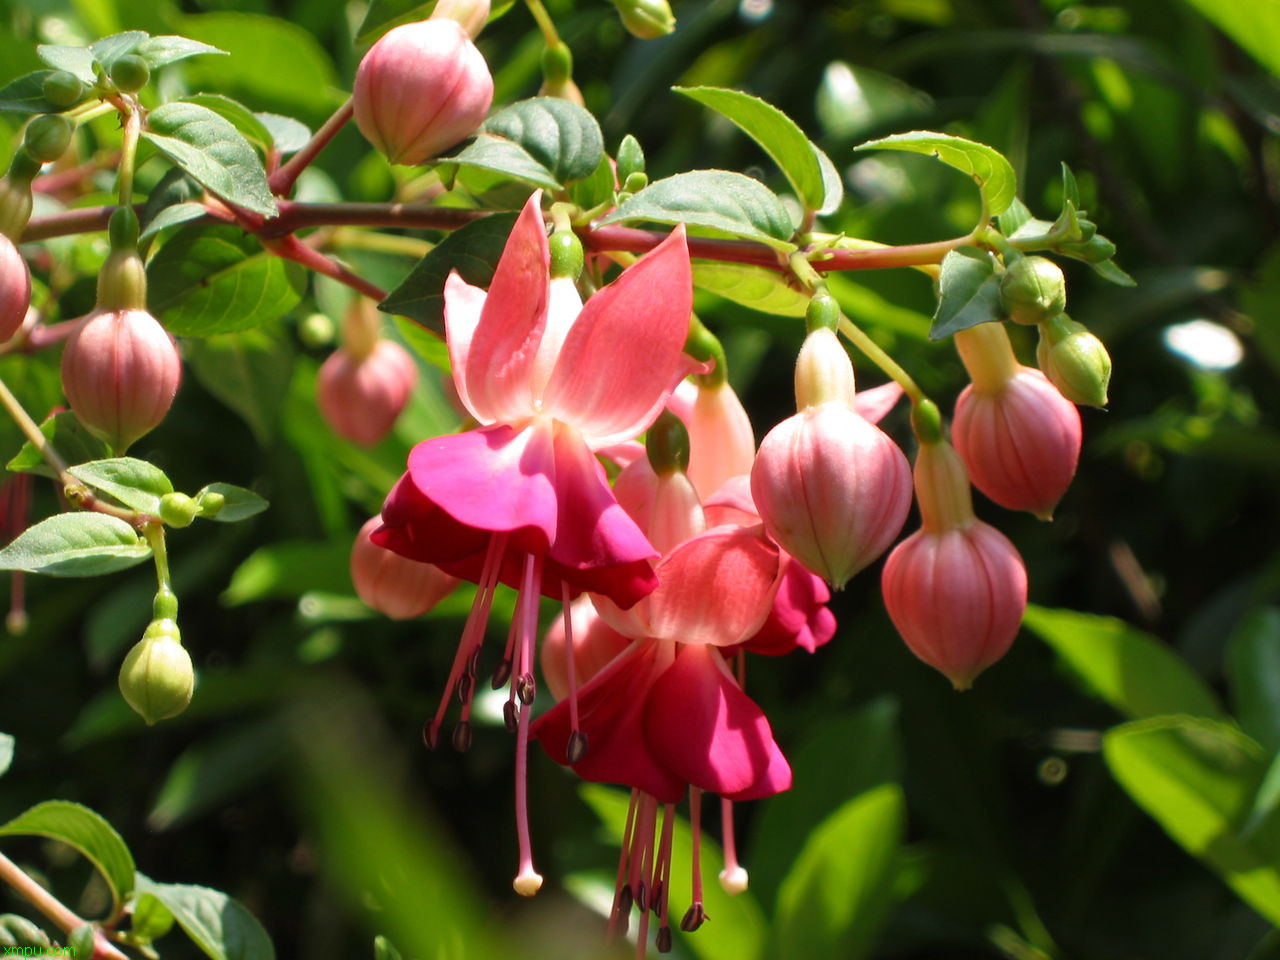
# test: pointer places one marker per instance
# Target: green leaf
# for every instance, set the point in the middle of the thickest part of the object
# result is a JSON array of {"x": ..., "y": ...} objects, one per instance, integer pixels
[
  {"x": 87, "y": 832},
  {"x": 775, "y": 132},
  {"x": 755, "y": 287},
  {"x": 738, "y": 920},
  {"x": 212, "y": 151},
  {"x": 1254, "y": 26},
  {"x": 173, "y": 216},
  {"x": 287, "y": 134},
  {"x": 26, "y": 95},
  {"x": 473, "y": 251},
  {"x": 832, "y": 183},
  {"x": 595, "y": 189},
  {"x": 69, "y": 436},
  {"x": 382, "y": 15},
  {"x": 237, "y": 114},
  {"x": 6, "y": 752},
  {"x": 1253, "y": 660},
  {"x": 75, "y": 545},
  {"x": 716, "y": 199},
  {"x": 968, "y": 292},
  {"x": 425, "y": 344},
  {"x": 990, "y": 170},
  {"x": 249, "y": 372},
  {"x": 1070, "y": 189},
  {"x": 218, "y": 925},
  {"x": 288, "y": 569},
  {"x": 158, "y": 51},
  {"x": 149, "y": 919},
  {"x": 110, "y": 49},
  {"x": 1015, "y": 218},
  {"x": 1132, "y": 671},
  {"x": 214, "y": 278},
  {"x": 838, "y": 894},
  {"x": 240, "y": 504},
  {"x": 545, "y": 141},
  {"x": 135, "y": 483},
  {"x": 75, "y": 60},
  {"x": 80, "y": 942},
  {"x": 1197, "y": 778},
  {"x": 1109, "y": 271}
]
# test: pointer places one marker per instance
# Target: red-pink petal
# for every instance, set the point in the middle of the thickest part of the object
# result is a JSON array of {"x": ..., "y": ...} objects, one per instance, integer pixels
[
  {"x": 463, "y": 305},
  {"x": 872, "y": 405},
  {"x": 701, "y": 726},
  {"x": 624, "y": 354},
  {"x": 799, "y": 617}
]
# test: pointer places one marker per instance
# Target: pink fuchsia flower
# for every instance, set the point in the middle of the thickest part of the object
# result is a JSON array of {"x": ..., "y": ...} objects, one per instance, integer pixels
[
  {"x": 361, "y": 397},
  {"x": 1019, "y": 437},
  {"x": 832, "y": 488},
  {"x": 420, "y": 89},
  {"x": 957, "y": 588},
  {"x": 394, "y": 585},
  {"x": 722, "y": 444},
  {"x": 523, "y": 499},
  {"x": 594, "y": 643}
]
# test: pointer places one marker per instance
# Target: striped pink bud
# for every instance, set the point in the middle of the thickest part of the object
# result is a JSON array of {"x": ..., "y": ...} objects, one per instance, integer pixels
[
  {"x": 15, "y": 289},
  {"x": 394, "y": 585},
  {"x": 360, "y": 399}
]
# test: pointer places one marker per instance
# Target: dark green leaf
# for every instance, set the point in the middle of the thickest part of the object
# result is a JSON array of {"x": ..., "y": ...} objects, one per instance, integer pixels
[
  {"x": 240, "y": 504},
  {"x": 71, "y": 439},
  {"x": 382, "y": 15},
  {"x": 87, "y": 832},
  {"x": 26, "y": 95},
  {"x": 135, "y": 483},
  {"x": 75, "y": 545},
  {"x": 1109, "y": 271},
  {"x": 1197, "y": 778},
  {"x": 832, "y": 184},
  {"x": 218, "y": 925},
  {"x": 968, "y": 292},
  {"x": 249, "y": 372},
  {"x": 545, "y": 141},
  {"x": 80, "y": 942},
  {"x": 212, "y": 151},
  {"x": 987, "y": 166},
  {"x": 1070, "y": 190},
  {"x": 595, "y": 189},
  {"x": 473, "y": 251},
  {"x": 288, "y": 569},
  {"x": 838, "y": 894},
  {"x": 77, "y": 61},
  {"x": 715, "y": 199},
  {"x": 237, "y": 114},
  {"x": 1132, "y": 671},
  {"x": 110, "y": 49},
  {"x": 755, "y": 287},
  {"x": 288, "y": 135},
  {"x": 215, "y": 278},
  {"x": 158, "y": 51},
  {"x": 6, "y": 752},
  {"x": 1254, "y": 664},
  {"x": 173, "y": 216},
  {"x": 1014, "y": 218},
  {"x": 213, "y": 771},
  {"x": 149, "y": 919}
]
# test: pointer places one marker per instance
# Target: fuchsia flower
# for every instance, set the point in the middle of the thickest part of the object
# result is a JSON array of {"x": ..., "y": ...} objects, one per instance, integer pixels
[{"x": 522, "y": 499}]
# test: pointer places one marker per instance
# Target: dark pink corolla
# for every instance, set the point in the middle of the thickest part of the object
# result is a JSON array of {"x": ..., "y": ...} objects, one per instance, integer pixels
[
  {"x": 1019, "y": 437},
  {"x": 15, "y": 289},
  {"x": 420, "y": 89},
  {"x": 394, "y": 585},
  {"x": 361, "y": 397}
]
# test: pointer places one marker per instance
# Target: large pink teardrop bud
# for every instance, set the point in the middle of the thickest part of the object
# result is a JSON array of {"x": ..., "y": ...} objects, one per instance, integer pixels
[
  {"x": 394, "y": 585},
  {"x": 360, "y": 399},
  {"x": 722, "y": 444},
  {"x": 15, "y": 289},
  {"x": 420, "y": 89},
  {"x": 832, "y": 489},
  {"x": 956, "y": 589},
  {"x": 120, "y": 372},
  {"x": 595, "y": 643}
]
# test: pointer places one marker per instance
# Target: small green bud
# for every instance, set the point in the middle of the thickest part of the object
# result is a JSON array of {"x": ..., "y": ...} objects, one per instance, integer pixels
[
  {"x": 157, "y": 678},
  {"x": 667, "y": 444},
  {"x": 1094, "y": 250},
  {"x": 47, "y": 137},
  {"x": 178, "y": 509},
  {"x": 21, "y": 934},
  {"x": 926, "y": 422},
  {"x": 63, "y": 89},
  {"x": 823, "y": 312},
  {"x": 635, "y": 182},
  {"x": 566, "y": 254},
  {"x": 646, "y": 19},
  {"x": 82, "y": 940},
  {"x": 1075, "y": 361},
  {"x": 317, "y": 330},
  {"x": 630, "y": 158},
  {"x": 130, "y": 73},
  {"x": 165, "y": 605},
  {"x": 211, "y": 504},
  {"x": 1033, "y": 290},
  {"x": 15, "y": 200},
  {"x": 557, "y": 63}
]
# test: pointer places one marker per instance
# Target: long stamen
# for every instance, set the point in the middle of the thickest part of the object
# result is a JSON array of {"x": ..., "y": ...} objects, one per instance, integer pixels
[
  {"x": 733, "y": 877},
  {"x": 577, "y": 748},
  {"x": 528, "y": 881},
  {"x": 641, "y": 842},
  {"x": 662, "y": 879},
  {"x": 622, "y": 891},
  {"x": 695, "y": 915}
]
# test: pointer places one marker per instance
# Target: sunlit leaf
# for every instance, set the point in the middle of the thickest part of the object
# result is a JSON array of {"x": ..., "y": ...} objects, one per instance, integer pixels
[
  {"x": 75, "y": 545},
  {"x": 988, "y": 167}
]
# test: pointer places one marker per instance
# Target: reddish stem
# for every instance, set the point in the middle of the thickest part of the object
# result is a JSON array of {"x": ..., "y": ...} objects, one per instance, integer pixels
[
  {"x": 291, "y": 248},
  {"x": 282, "y": 181}
]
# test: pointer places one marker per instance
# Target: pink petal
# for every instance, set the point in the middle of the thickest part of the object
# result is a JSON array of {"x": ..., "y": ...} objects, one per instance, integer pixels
[
  {"x": 872, "y": 405},
  {"x": 503, "y": 346},
  {"x": 624, "y": 354},
  {"x": 701, "y": 726},
  {"x": 799, "y": 617},
  {"x": 463, "y": 305},
  {"x": 732, "y": 503},
  {"x": 414, "y": 527}
]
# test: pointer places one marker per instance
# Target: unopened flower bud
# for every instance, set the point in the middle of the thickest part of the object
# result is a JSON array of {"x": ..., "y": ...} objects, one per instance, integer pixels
[
  {"x": 317, "y": 330},
  {"x": 471, "y": 14},
  {"x": 47, "y": 137},
  {"x": 178, "y": 509},
  {"x": 394, "y": 585},
  {"x": 130, "y": 73},
  {"x": 667, "y": 444},
  {"x": 1094, "y": 250},
  {"x": 360, "y": 399},
  {"x": 566, "y": 254},
  {"x": 630, "y": 158},
  {"x": 120, "y": 372},
  {"x": 646, "y": 19},
  {"x": 122, "y": 281},
  {"x": 157, "y": 678},
  {"x": 63, "y": 89},
  {"x": 210, "y": 503},
  {"x": 15, "y": 289},
  {"x": 15, "y": 194},
  {"x": 420, "y": 89},
  {"x": 1075, "y": 361},
  {"x": 1033, "y": 290},
  {"x": 635, "y": 182},
  {"x": 824, "y": 372}
]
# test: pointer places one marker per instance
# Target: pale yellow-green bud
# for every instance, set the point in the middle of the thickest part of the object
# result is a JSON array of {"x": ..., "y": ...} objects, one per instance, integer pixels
[
  {"x": 1033, "y": 290},
  {"x": 1075, "y": 361},
  {"x": 157, "y": 678}
]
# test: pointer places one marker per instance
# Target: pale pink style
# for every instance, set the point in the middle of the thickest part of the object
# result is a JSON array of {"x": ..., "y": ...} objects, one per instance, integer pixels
[
  {"x": 595, "y": 643},
  {"x": 15, "y": 289},
  {"x": 394, "y": 585},
  {"x": 120, "y": 372},
  {"x": 420, "y": 89},
  {"x": 361, "y": 398}
]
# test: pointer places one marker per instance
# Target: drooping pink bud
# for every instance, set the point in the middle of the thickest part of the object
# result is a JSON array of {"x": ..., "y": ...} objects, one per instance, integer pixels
[
  {"x": 360, "y": 399},
  {"x": 420, "y": 89},
  {"x": 595, "y": 643},
  {"x": 956, "y": 589},
  {"x": 15, "y": 289},
  {"x": 120, "y": 372},
  {"x": 394, "y": 585},
  {"x": 832, "y": 489},
  {"x": 721, "y": 442}
]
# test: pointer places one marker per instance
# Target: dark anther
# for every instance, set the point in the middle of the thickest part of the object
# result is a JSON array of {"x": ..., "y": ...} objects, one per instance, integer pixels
[
  {"x": 642, "y": 898},
  {"x": 664, "y": 939},
  {"x": 526, "y": 689},
  {"x": 466, "y": 683},
  {"x": 509, "y": 718},
  {"x": 655, "y": 901},
  {"x": 462, "y": 737},
  {"x": 501, "y": 674},
  {"x": 430, "y": 735},
  {"x": 693, "y": 918},
  {"x": 473, "y": 662},
  {"x": 624, "y": 900},
  {"x": 577, "y": 748}
]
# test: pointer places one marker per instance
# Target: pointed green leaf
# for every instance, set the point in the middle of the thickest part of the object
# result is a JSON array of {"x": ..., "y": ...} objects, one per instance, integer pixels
[
  {"x": 1070, "y": 189},
  {"x": 287, "y": 134},
  {"x": 173, "y": 216},
  {"x": 87, "y": 832},
  {"x": 213, "y": 151},
  {"x": 149, "y": 919},
  {"x": 968, "y": 292},
  {"x": 239, "y": 503},
  {"x": 716, "y": 199},
  {"x": 1109, "y": 271},
  {"x": 26, "y": 94},
  {"x": 545, "y": 141},
  {"x": 77, "y": 61},
  {"x": 987, "y": 166},
  {"x": 69, "y": 437},
  {"x": 832, "y": 183},
  {"x": 158, "y": 51},
  {"x": 1015, "y": 218},
  {"x": 218, "y": 925},
  {"x": 775, "y": 132},
  {"x": 110, "y": 49},
  {"x": 755, "y": 287},
  {"x": 75, "y": 545},
  {"x": 135, "y": 483},
  {"x": 237, "y": 114}
]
